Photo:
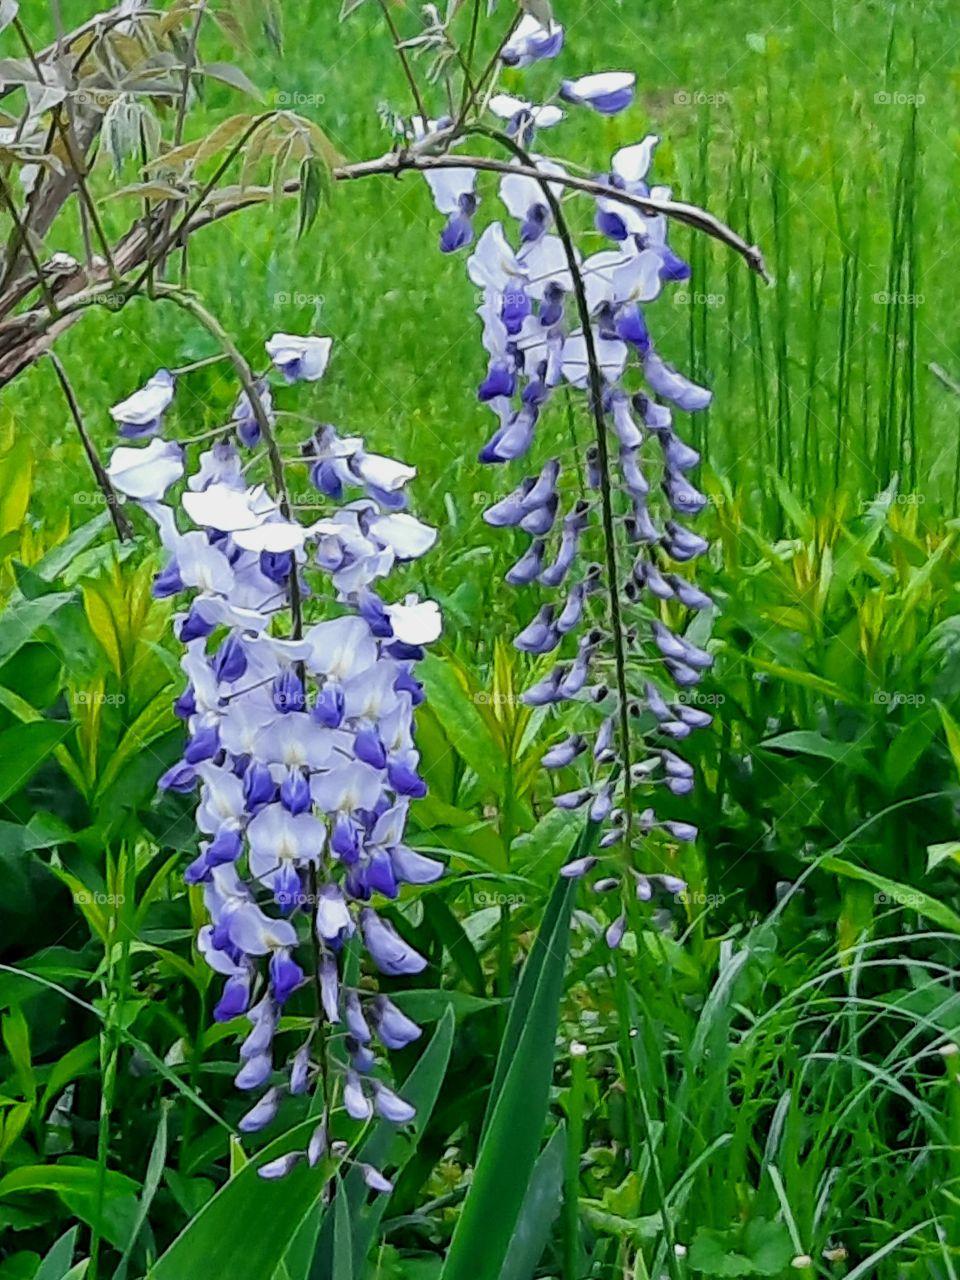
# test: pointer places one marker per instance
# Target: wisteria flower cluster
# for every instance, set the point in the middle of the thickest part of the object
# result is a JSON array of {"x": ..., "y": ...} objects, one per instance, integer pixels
[
  {"x": 299, "y": 735},
  {"x": 551, "y": 317}
]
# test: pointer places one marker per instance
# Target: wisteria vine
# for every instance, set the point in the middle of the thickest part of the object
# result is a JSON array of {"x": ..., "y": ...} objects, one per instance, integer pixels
[
  {"x": 301, "y": 744},
  {"x": 552, "y": 317},
  {"x": 300, "y": 734}
]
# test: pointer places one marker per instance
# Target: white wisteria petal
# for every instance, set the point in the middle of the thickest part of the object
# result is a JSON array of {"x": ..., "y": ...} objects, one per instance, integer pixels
[
  {"x": 383, "y": 473},
  {"x": 146, "y": 474},
  {"x": 506, "y": 107},
  {"x": 147, "y": 404},
  {"x": 416, "y": 621},
  {"x": 598, "y": 272},
  {"x": 632, "y": 164},
  {"x": 299, "y": 357},
  {"x": 229, "y": 510},
  {"x": 448, "y": 185},
  {"x": 404, "y": 534},
  {"x": 256, "y": 933},
  {"x": 340, "y": 648},
  {"x": 274, "y": 536},
  {"x": 493, "y": 264},
  {"x": 638, "y": 278},
  {"x": 202, "y": 565},
  {"x": 546, "y": 263},
  {"x": 611, "y": 357}
]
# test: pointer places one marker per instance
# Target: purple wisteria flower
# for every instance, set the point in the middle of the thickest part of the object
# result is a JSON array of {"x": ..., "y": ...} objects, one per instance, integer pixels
[
  {"x": 300, "y": 741},
  {"x": 552, "y": 318}
]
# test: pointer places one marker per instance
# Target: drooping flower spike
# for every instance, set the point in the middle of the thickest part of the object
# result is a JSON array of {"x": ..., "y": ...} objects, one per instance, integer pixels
[
  {"x": 551, "y": 317},
  {"x": 299, "y": 742}
]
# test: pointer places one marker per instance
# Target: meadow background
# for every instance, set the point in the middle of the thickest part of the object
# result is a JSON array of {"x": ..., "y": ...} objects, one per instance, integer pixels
[{"x": 789, "y": 1101}]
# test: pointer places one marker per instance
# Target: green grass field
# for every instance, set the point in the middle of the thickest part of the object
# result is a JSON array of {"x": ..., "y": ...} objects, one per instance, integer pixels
[{"x": 768, "y": 1082}]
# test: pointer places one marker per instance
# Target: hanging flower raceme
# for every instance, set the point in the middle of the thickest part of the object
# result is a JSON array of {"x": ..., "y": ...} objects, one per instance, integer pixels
[
  {"x": 613, "y": 624},
  {"x": 299, "y": 735}
]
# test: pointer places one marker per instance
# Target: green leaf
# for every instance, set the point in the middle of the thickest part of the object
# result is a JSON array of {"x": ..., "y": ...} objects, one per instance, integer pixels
[
  {"x": 24, "y": 748},
  {"x": 229, "y": 74},
  {"x": 314, "y": 183},
  {"x": 432, "y": 1003},
  {"x": 540, "y": 1208},
  {"x": 151, "y": 1183},
  {"x": 342, "y": 1241},
  {"x": 518, "y": 1108},
  {"x": 22, "y": 619},
  {"x": 952, "y": 732},
  {"x": 807, "y": 742},
  {"x": 16, "y": 1038},
  {"x": 712, "y": 1253},
  {"x": 898, "y": 894},
  {"x": 458, "y": 946},
  {"x": 57, "y": 1262},
  {"x": 462, "y": 722},
  {"x": 937, "y": 853},
  {"x": 244, "y": 1229}
]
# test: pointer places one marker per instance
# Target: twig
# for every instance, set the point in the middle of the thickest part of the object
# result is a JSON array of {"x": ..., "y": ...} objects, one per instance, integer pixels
[
  {"x": 22, "y": 336},
  {"x": 404, "y": 61},
  {"x": 117, "y": 515}
]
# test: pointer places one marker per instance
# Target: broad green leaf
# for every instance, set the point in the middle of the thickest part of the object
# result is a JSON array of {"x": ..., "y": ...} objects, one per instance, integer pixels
[
  {"x": 432, "y": 1003},
  {"x": 452, "y": 703},
  {"x": 24, "y": 748},
  {"x": 22, "y": 619},
  {"x": 342, "y": 1238},
  {"x": 518, "y": 1109},
  {"x": 540, "y": 1208},
  {"x": 525, "y": 993},
  {"x": 151, "y": 1183},
  {"x": 897, "y": 894},
  {"x": 57, "y": 1262},
  {"x": 458, "y": 946},
  {"x": 243, "y": 1231},
  {"x": 16, "y": 1039}
]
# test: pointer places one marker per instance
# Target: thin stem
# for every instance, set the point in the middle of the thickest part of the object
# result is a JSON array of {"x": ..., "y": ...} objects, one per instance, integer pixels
[
  {"x": 117, "y": 515},
  {"x": 404, "y": 61},
  {"x": 23, "y": 347},
  {"x": 469, "y": 90},
  {"x": 189, "y": 63},
  {"x": 23, "y": 238},
  {"x": 603, "y": 459}
]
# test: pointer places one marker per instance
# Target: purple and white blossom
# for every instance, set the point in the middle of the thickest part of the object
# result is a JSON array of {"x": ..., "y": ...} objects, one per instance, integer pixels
[
  {"x": 551, "y": 317},
  {"x": 299, "y": 742}
]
